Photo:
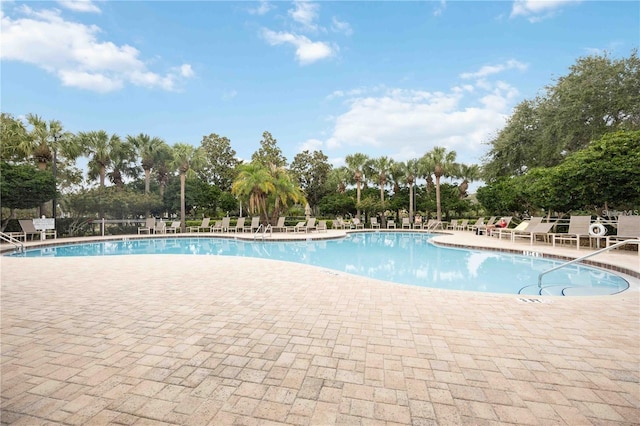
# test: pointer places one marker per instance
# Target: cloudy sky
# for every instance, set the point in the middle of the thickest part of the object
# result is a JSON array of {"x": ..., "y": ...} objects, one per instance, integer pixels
[{"x": 382, "y": 78}]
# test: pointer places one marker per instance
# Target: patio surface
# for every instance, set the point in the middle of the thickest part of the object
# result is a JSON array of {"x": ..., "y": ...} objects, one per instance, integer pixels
[{"x": 192, "y": 340}]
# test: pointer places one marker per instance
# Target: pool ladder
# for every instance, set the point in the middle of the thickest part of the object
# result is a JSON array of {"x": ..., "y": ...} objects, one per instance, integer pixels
[
  {"x": 263, "y": 230},
  {"x": 586, "y": 256},
  {"x": 13, "y": 241}
]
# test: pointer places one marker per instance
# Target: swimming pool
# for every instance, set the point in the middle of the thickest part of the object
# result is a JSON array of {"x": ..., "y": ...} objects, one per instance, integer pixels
[{"x": 400, "y": 257}]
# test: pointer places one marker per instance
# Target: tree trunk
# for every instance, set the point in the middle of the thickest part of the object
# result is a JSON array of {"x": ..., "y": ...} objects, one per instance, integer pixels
[
  {"x": 183, "y": 207},
  {"x": 438, "y": 207}
]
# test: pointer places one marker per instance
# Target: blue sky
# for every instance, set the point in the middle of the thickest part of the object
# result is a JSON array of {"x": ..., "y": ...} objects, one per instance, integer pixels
[{"x": 382, "y": 78}]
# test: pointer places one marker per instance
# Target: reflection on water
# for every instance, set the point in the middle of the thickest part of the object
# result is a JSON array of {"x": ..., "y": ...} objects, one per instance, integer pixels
[{"x": 400, "y": 257}]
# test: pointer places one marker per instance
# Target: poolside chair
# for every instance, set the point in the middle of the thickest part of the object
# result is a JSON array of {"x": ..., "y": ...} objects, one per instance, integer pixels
[
  {"x": 532, "y": 223},
  {"x": 391, "y": 224},
  {"x": 338, "y": 223},
  {"x": 300, "y": 226},
  {"x": 374, "y": 222},
  {"x": 226, "y": 224},
  {"x": 239, "y": 225},
  {"x": 322, "y": 226},
  {"x": 255, "y": 224},
  {"x": 204, "y": 225},
  {"x": 406, "y": 224},
  {"x": 542, "y": 229},
  {"x": 160, "y": 228},
  {"x": 28, "y": 228},
  {"x": 492, "y": 230},
  {"x": 578, "y": 229},
  {"x": 462, "y": 225},
  {"x": 628, "y": 229},
  {"x": 499, "y": 232},
  {"x": 280, "y": 225},
  {"x": 475, "y": 226},
  {"x": 417, "y": 222},
  {"x": 217, "y": 226},
  {"x": 311, "y": 224},
  {"x": 481, "y": 229},
  {"x": 357, "y": 224},
  {"x": 453, "y": 224},
  {"x": 175, "y": 227},
  {"x": 150, "y": 224}
]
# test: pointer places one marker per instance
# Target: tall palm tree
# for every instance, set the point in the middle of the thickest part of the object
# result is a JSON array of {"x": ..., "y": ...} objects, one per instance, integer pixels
[
  {"x": 185, "y": 158},
  {"x": 356, "y": 164},
  {"x": 99, "y": 147},
  {"x": 46, "y": 141},
  {"x": 147, "y": 149},
  {"x": 468, "y": 173},
  {"x": 410, "y": 169},
  {"x": 380, "y": 168},
  {"x": 254, "y": 183},
  {"x": 123, "y": 164},
  {"x": 443, "y": 164}
]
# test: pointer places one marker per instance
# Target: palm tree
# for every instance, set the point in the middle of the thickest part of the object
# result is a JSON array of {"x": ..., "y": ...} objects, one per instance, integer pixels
[
  {"x": 147, "y": 149},
  {"x": 356, "y": 164},
  {"x": 99, "y": 147},
  {"x": 123, "y": 164},
  {"x": 285, "y": 190},
  {"x": 45, "y": 141},
  {"x": 340, "y": 176},
  {"x": 185, "y": 158},
  {"x": 468, "y": 173},
  {"x": 381, "y": 167},
  {"x": 254, "y": 183},
  {"x": 411, "y": 171},
  {"x": 443, "y": 164}
]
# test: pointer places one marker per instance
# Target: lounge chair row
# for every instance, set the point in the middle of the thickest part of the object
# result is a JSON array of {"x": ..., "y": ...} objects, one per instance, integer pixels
[{"x": 628, "y": 228}]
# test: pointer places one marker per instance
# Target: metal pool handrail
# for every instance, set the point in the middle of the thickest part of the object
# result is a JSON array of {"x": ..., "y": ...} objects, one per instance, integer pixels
[
  {"x": 586, "y": 256},
  {"x": 14, "y": 241}
]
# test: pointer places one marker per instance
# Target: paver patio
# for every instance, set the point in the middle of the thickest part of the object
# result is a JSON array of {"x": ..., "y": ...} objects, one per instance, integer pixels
[{"x": 195, "y": 340}]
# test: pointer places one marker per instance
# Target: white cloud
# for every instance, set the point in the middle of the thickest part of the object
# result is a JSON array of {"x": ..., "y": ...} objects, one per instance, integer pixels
[
  {"x": 72, "y": 52},
  {"x": 307, "y": 51},
  {"x": 412, "y": 122},
  {"x": 488, "y": 70},
  {"x": 538, "y": 10},
  {"x": 310, "y": 145},
  {"x": 305, "y": 13},
  {"x": 263, "y": 8},
  {"x": 341, "y": 27},
  {"x": 439, "y": 9},
  {"x": 80, "y": 5}
]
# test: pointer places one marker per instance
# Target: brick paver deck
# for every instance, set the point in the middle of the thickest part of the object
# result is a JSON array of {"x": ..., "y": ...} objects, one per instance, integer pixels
[{"x": 195, "y": 340}]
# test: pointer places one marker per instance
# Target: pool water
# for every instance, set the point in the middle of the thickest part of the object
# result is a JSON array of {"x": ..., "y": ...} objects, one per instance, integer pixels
[{"x": 400, "y": 257}]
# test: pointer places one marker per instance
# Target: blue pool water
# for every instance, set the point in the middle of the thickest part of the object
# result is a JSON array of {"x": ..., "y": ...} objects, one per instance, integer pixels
[{"x": 401, "y": 257}]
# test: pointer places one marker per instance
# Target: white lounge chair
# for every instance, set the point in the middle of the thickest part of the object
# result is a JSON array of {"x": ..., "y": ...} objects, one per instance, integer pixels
[
  {"x": 628, "y": 229},
  {"x": 175, "y": 227},
  {"x": 239, "y": 225},
  {"x": 280, "y": 226},
  {"x": 160, "y": 228},
  {"x": 204, "y": 225},
  {"x": 255, "y": 224},
  {"x": 406, "y": 224},
  {"x": 578, "y": 229},
  {"x": 374, "y": 222},
  {"x": 149, "y": 226}
]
